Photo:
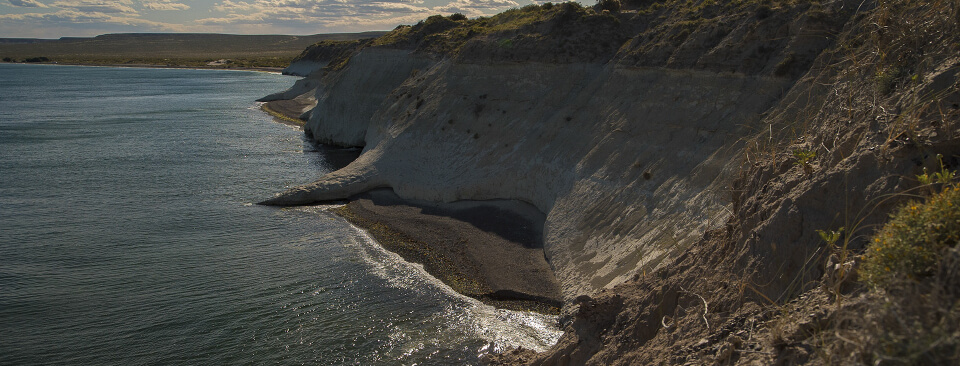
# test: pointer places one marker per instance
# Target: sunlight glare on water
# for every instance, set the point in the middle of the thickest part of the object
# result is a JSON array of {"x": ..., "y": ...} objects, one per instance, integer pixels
[{"x": 130, "y": 236}]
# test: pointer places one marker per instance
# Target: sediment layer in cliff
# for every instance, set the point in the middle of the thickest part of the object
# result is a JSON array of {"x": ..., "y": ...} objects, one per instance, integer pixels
[
  {"x": 777, "y": 283},
  {"x": 684, "y": 154},
  {"x": 629, "y": 160}
]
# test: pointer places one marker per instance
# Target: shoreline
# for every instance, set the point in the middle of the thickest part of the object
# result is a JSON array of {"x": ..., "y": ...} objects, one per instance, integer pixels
[
  {"x": 285, "y": 112},
  {"x": 270, "y": 70},
  {"x": 489, "y": 251}
]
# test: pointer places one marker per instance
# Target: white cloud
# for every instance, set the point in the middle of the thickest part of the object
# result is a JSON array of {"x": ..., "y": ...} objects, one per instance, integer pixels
[
  {"x": 344, "y": 15},
  {"x": 234, "y": 16},
  {"x": 164, "y": 5},
  {"x": 27, "y": 3},
  {"x": 231, "y": 6},
  {"x": 72, "y": 17},
  {"x": 476, "y": 7},
  {"x": 97, "y": 6}
]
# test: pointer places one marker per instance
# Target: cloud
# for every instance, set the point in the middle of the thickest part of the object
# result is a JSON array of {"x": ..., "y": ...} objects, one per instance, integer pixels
[
  {"x": 308, "y": 12},
  {"x": 164, "y": 5},
  {"x": 74, "y": 18},
  {"x": 344, "y": 15},
  {"x": 479, "y": 4},
  {"x": 97, "y": 6},
  {"x": 235, "y": 16},
  {"x": 27, "y": 3}
]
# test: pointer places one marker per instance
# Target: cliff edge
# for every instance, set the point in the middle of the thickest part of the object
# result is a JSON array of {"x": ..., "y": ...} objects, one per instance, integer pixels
[{"x": 691, "y": 157}]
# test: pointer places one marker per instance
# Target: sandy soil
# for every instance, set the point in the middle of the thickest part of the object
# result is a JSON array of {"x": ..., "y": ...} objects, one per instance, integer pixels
[
  {"x": 286, "y": 111},
  {"x": 486, "y": 250}
]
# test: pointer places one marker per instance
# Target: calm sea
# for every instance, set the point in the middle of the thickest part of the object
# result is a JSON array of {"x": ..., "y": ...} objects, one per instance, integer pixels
[{"x": 128, "y": 236}]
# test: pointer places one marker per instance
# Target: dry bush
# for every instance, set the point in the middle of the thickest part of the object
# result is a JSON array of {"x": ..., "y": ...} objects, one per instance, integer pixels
[{"x": 910, "y": 245}]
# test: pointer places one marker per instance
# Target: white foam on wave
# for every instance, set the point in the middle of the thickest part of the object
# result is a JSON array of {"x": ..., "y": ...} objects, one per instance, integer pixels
[
  {"x": 463, "y": 320},
  {"x": 502, "y": 329}
]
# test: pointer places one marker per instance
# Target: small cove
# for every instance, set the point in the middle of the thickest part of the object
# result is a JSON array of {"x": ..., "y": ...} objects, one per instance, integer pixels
[{"x": 130, "y": 236}]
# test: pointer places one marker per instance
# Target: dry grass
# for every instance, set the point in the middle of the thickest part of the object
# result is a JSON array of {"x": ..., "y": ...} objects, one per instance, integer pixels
[{"x": 909, "y": 314}]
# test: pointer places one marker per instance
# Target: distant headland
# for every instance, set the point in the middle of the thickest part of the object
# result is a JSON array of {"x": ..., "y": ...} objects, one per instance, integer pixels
[{"x": 193, "y": 50}]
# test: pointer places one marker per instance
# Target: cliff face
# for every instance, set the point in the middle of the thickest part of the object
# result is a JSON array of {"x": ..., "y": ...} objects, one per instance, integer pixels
[
  {"x": 670, "y": 144},
  {"x": 840, "y": 151},
  {"x": 629, "y": 164}
]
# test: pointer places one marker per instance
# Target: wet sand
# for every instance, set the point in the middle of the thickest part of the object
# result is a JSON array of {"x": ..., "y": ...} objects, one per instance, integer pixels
[
  {"x": 287, "y": 111},
  {"x": 488, "y": 250}
]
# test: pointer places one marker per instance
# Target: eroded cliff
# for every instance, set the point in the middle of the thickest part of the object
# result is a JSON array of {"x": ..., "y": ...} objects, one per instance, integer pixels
[
  {"x": 684, "y": 152},
  {"x": 629, "y": 163}
]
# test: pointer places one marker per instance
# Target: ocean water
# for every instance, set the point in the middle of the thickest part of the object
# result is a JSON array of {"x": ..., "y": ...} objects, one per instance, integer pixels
[{"x": 128, "y": 236}]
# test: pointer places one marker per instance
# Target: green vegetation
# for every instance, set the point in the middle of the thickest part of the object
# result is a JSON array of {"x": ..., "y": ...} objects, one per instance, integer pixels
[
  {"x": 831, "y": 237},
  {"x": 803, "y": 158},
  {"x": 912, "y": 313},
  {"x": 557, "y": 33},
  {"x": 334, "y": 51},
  {"x": 904, "y": 308},
  {"x": 612, "y": 6},
  {"x": 911, "y": 244},
  {"x": 944, "y": 176}
]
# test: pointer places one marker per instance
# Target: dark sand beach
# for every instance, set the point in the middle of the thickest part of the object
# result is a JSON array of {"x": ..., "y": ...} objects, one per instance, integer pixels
[
  {"x": 488, "y": 250},
  {"x": 286, "y": 111}
]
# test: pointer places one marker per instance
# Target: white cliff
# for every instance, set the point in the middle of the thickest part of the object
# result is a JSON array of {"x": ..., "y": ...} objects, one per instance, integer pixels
[{"x": 630, "y": 165}]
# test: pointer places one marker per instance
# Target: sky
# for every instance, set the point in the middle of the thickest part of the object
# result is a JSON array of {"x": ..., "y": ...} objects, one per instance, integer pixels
[{"x": 85, "y": 18}]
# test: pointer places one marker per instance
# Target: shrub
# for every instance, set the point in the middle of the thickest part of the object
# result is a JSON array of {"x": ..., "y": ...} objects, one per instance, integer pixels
[
  {"x": 437, "y": 23},
  {"x": 458, "y": 17},
  {"x": 911, "y": 244},
  {"x": 803, "y": 158},
  {"x": 530, "y": 7},
  {"x": 612, "y": 5}
]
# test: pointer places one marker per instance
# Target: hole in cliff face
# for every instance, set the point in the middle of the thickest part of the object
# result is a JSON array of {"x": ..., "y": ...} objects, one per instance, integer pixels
[
  {"x": 333, "y": 157},
  {"x": 478, "y": 109},
  {"x": 647, "y": 175}
]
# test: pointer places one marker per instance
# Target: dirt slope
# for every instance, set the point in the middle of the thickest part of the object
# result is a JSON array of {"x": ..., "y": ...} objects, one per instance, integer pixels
[
  {"x": 876, "y": 109},
  {"x": 687, "y": 155}
]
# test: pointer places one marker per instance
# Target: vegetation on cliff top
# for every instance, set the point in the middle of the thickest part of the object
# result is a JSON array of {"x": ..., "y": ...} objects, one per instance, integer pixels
[
  {"x": 565, "y": 32},
  {"x": 877, "y": 101},
  {"x": 747, "y": 36}
]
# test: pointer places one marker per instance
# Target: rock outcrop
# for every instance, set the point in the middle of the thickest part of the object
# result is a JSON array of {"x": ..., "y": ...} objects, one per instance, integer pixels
[
  {"x": 687, "y": 154},
  {"x": 629, "y": 163}
]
